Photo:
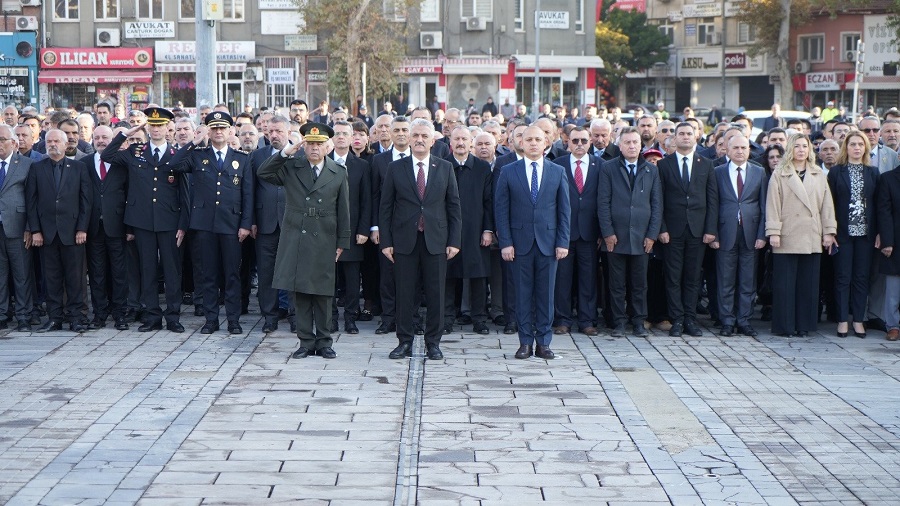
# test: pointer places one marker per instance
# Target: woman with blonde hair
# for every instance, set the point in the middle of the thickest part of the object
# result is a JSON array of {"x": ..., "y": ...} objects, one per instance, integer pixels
[
  {"x": 799, "y": 223},
  {"x": 853, "y": 182}
]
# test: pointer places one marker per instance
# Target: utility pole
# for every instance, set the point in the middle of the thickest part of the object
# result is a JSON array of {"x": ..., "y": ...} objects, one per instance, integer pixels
[
  {"x": 208, "y": 11},
  {"x": 536, "y": 94}
]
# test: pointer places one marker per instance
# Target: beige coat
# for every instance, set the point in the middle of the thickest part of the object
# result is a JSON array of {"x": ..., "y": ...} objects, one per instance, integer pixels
[{"x": 800, "y": 212}]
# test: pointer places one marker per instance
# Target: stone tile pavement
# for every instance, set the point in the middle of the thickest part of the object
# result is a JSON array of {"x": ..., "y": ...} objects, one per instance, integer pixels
[{"x": 127, "y": 418}]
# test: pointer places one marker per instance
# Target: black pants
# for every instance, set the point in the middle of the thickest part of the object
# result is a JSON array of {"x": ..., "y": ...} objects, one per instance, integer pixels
[
  {"x": 64, "y": 274},
  {"x": 387, "y": 289},
  {"x": 851, "y": 268},
  {"x": 221, "y": 253},
  {"x": 477, "y": 299},
  {"x": 795, "y": 293},
  {"x": 636, "y": 268},
  {"x": 155, "y": 249},
  {"x": 248, "y": 267},
  {"x": 370, "y": 270},
  {"x": 408, "y": 269},
  {"x": 575, "y": 274},
  {"x": 684, "y": 269},
  {"x": 266, "y": 248},
  {"x": 350, "y": 277},
  {"x": 108, "y": 275}
]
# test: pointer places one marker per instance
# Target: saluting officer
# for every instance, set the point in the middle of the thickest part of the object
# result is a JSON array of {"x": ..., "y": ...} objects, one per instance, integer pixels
[
  {"x": 156, "y": 211},
  {"x": 221, "y": 213}
]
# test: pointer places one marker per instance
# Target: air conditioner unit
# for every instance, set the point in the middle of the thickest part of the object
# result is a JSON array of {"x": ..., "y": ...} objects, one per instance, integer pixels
[
  {"x": 109, "y": 37},
  {"x": 30, "y": 3},
  {"x": 713, "y": 39},
  {"x": 25, "y": 23},
  {"x": 431, "y": 40},
  {"x": 475, "y": 24},
  {"x": 850, "y": 55},
  {"x": 801, "y": 67}
]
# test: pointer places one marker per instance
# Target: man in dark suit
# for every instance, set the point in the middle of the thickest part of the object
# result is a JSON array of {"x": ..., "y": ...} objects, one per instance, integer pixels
[
  {"x": 156, "y": 210},
  {"x": 630, "y": 210},
  {"x": 106, "y": 236},
  {"x": 690, "y": 218},
  {"x": 221, "y": 213},
  {"x": 472, "y": 265},
  {"x": 420, "y": 223},
  {"x": 579, "y": 267},
  {"x": 360, "y": 198},
  {"x": 516, "y": 131},
  {"x": 742, "y": 231},
  {"x": 59, "y": 200},
  {"x": 268, "y": 216},
  {"x": 601, "y": 140},
  {"x": 532, "y": 220},
  {"x": 15, "y": 237}
]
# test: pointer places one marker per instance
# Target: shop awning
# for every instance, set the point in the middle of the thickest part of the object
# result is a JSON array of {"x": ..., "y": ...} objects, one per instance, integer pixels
[
  {"x": 190, "y": 68},
  {"x": 562, "y": 62},
  {"x": 476, "y": 66},
  {"x": 94, "y": 76}
]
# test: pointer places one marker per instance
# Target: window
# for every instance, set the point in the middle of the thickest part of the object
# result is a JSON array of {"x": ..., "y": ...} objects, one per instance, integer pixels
[
  {"x": 848, "y": 45},
  {"x": 186, "y": 9},
  {"x": 394, "y": 10},
  {"x": 476, "y": 9},
  {"x": 149, "y": 9},
  {"x": 706, "y": 32},
  {"x": 234, "y": 10},
  {"x": 668, "y": 31},
  {"x": 746, "y": 33},
  {"x": 579, "y": 16},
  {"x": 812, "y": 48},
  {"x": 66, "y": 10},
  {"x": 430, "y": 11},
  {"x": 519, "y": 21},
  {"x": 106, "y": 9},
  {"x": 280, "y": 95}
]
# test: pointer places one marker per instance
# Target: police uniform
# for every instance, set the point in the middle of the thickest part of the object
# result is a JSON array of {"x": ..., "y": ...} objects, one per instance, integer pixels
[
  {"x": 221, "y": 205},
  {"x": 156, "y": 209}
]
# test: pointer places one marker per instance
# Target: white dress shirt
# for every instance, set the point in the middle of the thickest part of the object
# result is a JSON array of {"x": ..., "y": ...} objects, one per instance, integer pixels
[
  {"x": 528, "y": 168},
  {"x": 585, "y": 164},
  {"x": 690, "y": 163}
]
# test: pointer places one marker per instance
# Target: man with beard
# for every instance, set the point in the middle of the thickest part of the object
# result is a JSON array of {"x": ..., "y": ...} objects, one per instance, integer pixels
[
  {"x": 647, "y": 129},
  {"x": 59, "y": 201},
  {"x": 299, "y": 111},
  {"x": 70, "y": 128},
  {"x": 249, "y": 137}
]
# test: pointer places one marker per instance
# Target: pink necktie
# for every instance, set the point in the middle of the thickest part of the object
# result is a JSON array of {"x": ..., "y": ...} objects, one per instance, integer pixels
[{"x": 579, "y": 177}]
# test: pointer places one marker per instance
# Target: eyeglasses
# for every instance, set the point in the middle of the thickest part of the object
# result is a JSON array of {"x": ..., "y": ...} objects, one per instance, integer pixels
[
  {"x": 4, "y": 139},
  {"x": 667, "y": 130},
  {"x": 869, "y": 130},
  {"x": 579, "y": 141}
]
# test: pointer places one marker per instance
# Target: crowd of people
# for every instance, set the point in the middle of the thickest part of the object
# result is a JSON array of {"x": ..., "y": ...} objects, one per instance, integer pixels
[{"x": 561, "y": 223}]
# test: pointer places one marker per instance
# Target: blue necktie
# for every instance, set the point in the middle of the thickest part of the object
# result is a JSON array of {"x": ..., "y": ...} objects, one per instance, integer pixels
[
  {"x": 2, "y": 172},
  {"x": 220, "y": 161},
  {"x": 534, "y": 183}
]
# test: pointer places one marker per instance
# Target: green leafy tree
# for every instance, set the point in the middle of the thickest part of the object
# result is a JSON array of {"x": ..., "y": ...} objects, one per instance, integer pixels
[{"x": 626, "y": 43}]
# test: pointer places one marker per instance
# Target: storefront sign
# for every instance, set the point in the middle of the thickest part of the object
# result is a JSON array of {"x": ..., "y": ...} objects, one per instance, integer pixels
[
  {"x": 880, "y": 46},
  {"x": 277, "y": 5},
  {"x": 702, "y": 10},
  {"x": 629, "y": 5},
  {"x": 742, "y": 61},
  {"x": 317, "y": 76},
  {"x": 280, "y": 76},
  {"x": 100, "y": 58},
  {"x": 553, "y": 20},
  {"x": 706, "y": 63},
  {"x": 421, "y": 69},
  {"x": 149, "y": 30},
  {"x": 301, "y": 43},
  {"x": 282, "y": 23},
  {"x": 824, "y": 81},
  {"x": 185, "y": 51},
  {"x": 14, "y": 84}
]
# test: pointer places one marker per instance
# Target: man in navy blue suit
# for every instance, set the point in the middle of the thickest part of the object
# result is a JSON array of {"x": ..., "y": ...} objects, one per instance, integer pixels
[{"x": 532, "y": 219}]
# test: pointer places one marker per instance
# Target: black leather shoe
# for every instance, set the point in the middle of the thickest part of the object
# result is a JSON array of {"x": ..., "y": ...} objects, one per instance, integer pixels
[
  {"x": 500, "y": 320},
  {"x": 676, "y": 330},
  {"x": 385, "y": 328},
  {"x": 270, "y": 327},
  {"x": 198, "y": 311},
  {"x": 727, "y": 331},
  {"x": 293, "y": 324},
  {"x": 139, "y": 316},
  {"x": 401, "y": 351},
  {"x": 326, "y": 353},
  {"x": 464, "y": 319},
  {"x": 419, "y": 329},
  {"x": 544, "y": 352},
  {"x": 803, "y": 333},
  {"x": 365, "y": 316},
  {"x": 121, "y": 324},
  {"x": 150, "y": 326},
  {"x": 23, "y": 326},
  {"x": 875, "y": 324},
  {"x": 433, "y": 352},
  {"x": 481, "y": 328},
  {"x": 511, "y": 328},
  {"x": 50, "y": 326},
  {"x": 4, "y": 325},
  {"x": 747, "y": 330},
  {"x": 692, "y": 329},
  {"x": 78, "y": 327},
  {"x": 209, "y": 327},
  {"x": 350, "y": 327},
  {"x": 639, "y": 331},
  {"x": 97, "y": 323},
  {"x": 618, "y": 331},
  {"x": 187, "y": 299},
  {"x": 35, "y": 318},
  {"x": 176, "y": 327},
  {"x": 235, "y": 328},
  {"x": 448, "y": 328},
  {"x": 524, "y": 352},
  {"x": 302, "y": 352}
]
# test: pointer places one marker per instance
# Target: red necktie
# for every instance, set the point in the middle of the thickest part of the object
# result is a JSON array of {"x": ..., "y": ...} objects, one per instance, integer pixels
[
  {"x": 102, "y": 170},
  {"x": 420, "y": 186},
  {"x": 579, "y": 177}
]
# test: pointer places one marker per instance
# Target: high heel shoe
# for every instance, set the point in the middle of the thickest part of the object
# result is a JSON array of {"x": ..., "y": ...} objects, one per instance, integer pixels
[
  {"x": 844, "y": 333},
  {"x": 861, "y": 335}
]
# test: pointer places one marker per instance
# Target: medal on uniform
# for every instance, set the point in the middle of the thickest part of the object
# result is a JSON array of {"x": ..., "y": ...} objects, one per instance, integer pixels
[
  {"x": 171, "y": 178},
  {"x": 236, "y": 180},
  {"x": 235, "y": 165},
  {"x": 205, "y": 161}
]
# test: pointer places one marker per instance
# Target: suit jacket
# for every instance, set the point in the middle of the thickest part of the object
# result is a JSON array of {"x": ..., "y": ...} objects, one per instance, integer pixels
[
  {"x": 221, "y": 201},
  {"x": 800, "y": 212},
  {"x": 108, "y": 202},
  {"x": 696, "y": 207},
  {"x": 839, "y": 185},
  {"x": 632, "y": 215},
  {"x": 268, "y": 198},
  {"x": 13, "y": 207},
  {"x": 440, "y": 150},
  {"x": 887, "y": 159},
  {"x": 35, "y": 156},
  {"x": 360, "y": 198},
  {"x": 556, "y": 152},
  {"x": 611, "y": 151},
  {"x": 378, "y": 172},
  {"x": 475, "y": 182},
  {"x": 524, "y": 225},
  {"x": 58, "y": 212},
  {"x": 889, "y": 220},
  {"x": 401, "y": 207},
  {"x": 751, "y": 206},
  {"x": 583, "y": 224}
]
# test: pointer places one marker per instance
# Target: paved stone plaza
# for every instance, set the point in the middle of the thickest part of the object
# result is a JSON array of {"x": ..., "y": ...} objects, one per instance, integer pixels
[{"x": 122, "y": 418}]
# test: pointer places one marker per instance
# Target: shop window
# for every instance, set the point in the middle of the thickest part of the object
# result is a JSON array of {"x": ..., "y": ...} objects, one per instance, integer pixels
[
  {"x": 476, "y": 9},
  {"x": 812, "y": 47},
  {"x": 180, "y": 86},
  {"x": 234, "y": 10},
  {"x": 280, "y": 94},
  {"x": 106, "y": 9},
  {"x": 66, "y": 10},
  {"x": 149, "y": 9},
  {"x": 186, "y": 9}
]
